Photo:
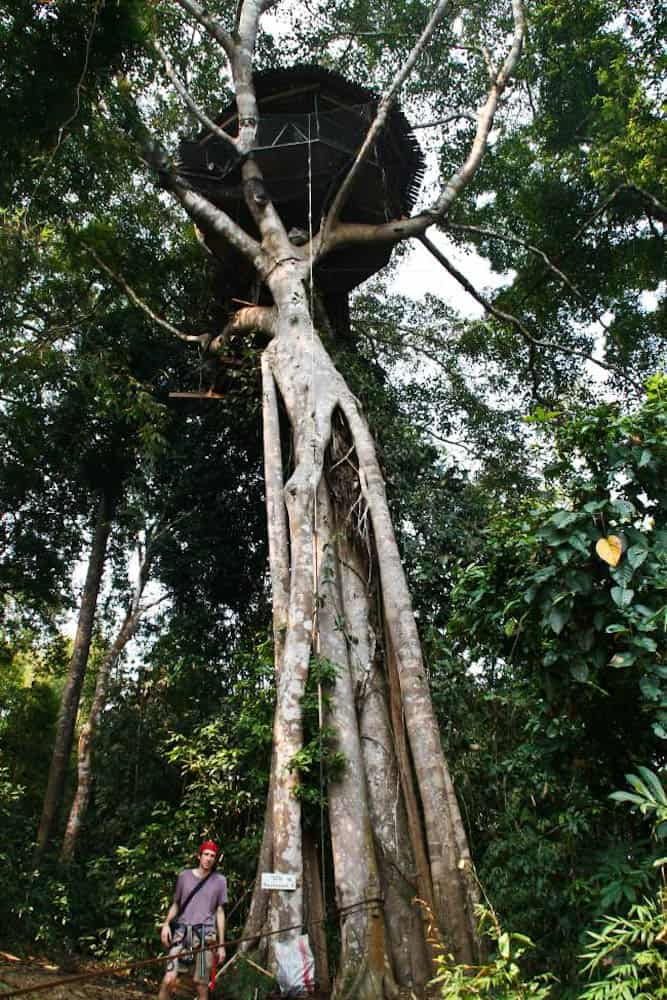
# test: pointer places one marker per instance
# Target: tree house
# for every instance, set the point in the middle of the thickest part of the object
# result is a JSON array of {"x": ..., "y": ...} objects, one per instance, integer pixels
[{"x": 312, "y": 123}]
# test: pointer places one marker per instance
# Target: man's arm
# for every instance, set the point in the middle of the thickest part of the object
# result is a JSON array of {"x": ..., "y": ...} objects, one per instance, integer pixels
[
  {"x": 174, "y": 910},
  {"x": 220, "y": 923},
  {"x": 165, "y": 929}
]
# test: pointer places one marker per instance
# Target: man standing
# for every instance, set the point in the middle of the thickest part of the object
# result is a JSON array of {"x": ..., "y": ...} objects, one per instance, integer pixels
[{"x": 197, "y": 909}]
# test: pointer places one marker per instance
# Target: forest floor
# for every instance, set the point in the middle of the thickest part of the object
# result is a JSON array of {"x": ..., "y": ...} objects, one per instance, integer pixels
[
  {"x": 42, "y": 976},
  {"x": 44, "y": 981}
]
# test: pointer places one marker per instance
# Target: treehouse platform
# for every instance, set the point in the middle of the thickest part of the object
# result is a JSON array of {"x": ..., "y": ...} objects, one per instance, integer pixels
[{"x": 312, "y": 123}]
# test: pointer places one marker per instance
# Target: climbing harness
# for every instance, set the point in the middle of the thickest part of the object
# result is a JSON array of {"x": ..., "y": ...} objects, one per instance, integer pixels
[{"x": 194, "y": 941}]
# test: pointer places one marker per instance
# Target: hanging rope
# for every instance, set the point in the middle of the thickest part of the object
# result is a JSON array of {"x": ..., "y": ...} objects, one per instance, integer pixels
[{"x": 316, "y": 570}]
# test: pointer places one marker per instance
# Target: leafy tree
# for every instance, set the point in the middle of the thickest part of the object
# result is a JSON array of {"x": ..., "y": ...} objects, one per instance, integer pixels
[{"x": 571, "y": 653}]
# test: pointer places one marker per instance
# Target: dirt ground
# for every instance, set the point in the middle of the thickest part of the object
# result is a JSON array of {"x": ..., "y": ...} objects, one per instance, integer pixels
[
  {"x": 19, "y": 974},
  {"x": 42, "y": 981}
]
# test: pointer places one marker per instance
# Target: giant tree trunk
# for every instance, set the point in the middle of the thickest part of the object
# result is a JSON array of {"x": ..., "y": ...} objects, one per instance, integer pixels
[
  {"x": 394, "y": 823},
  {"x": 69, "y": 704}
]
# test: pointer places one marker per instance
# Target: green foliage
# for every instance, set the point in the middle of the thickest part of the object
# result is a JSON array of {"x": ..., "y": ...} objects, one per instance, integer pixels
[
  {"x": 629, "y": 953},
  {"x": 501, "y": 978},
  {"x": 567, "y": 689},
  {"x": 222, "y": 767},
  {"x": 582, "y": 620},
  {"x": 625, "y": 952},
  {"x": 241, "y": 981},
  {"x": 318, "y": 762},
  {"x": 649, "y": 795},
  {"x": 577, "y": 173}
]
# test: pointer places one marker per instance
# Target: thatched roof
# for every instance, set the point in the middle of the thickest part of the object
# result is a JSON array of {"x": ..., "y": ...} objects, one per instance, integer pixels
[
  {"x": 309, "y": 105},
  {"x": 312, "y": 123}
]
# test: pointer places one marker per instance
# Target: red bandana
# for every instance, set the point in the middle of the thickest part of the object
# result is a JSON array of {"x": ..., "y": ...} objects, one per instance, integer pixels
[{"x": 209, "y": 845}]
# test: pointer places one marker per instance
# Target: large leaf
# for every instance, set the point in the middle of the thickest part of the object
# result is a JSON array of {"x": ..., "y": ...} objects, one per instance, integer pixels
[
  {"x": 622, "y": 660},
  {"x": 610, "y": 549},
  {"x": 650, "y": 688},
  {"x": 562, "y": 518},
  {"x": 653, "y": 781},
  {"x": 622, "y": 596},
  {"x": 580, "y": 671},
  {"x": 636, "y": 555},
  {"x": 558, "y": 618}
]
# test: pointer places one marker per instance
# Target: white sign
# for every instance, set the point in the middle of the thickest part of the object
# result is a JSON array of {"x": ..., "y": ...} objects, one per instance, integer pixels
[{"x": 277, "y": 880}]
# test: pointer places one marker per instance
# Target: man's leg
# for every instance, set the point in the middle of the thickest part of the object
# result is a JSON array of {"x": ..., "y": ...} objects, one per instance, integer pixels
[
  {"x": 202, "y": 991},
  {"x": 168, "y": 985}
]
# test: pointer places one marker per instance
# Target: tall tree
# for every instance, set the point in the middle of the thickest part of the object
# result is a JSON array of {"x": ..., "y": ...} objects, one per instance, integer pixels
[
  {"x": 69, "y": 705},
  {"x": 324, "y": 605},
  {"x": 128, "y": 627}
]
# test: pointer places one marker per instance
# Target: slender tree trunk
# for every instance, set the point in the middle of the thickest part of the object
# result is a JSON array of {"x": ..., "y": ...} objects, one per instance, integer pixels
[
  {"x": 403, "y": 879},
  {"x": 87, "y": 737},
  {"x": 451, "y": 889},
  {"x": 259, "y": 902},
  {"x": 89, "y": 730},
  {"x": 69, "y": 705},
  {"x": 279, "y": 564},
  {"x": 276, "y": 514}
]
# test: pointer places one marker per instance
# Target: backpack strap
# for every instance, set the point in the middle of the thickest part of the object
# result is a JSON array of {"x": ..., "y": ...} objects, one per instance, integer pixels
[{"x": 193, "y": 892}]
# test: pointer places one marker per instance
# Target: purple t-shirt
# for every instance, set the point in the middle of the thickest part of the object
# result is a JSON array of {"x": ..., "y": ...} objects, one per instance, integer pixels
[{"x": 203, "y": 905}]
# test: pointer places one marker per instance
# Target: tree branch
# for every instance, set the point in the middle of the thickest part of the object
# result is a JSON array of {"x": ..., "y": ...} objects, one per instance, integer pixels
[
  {"x": 449, "y": 441},
  {"x": 459, "y": 180},
  {"x": 598, "y": 211},
  {"x": 445, "y": 121},
  {"x": 249, "y": 14},
  {"x": 210, "y": 219},
  {"x": 604, "y": 204},
  {"x": 514, "y": 321},
  {"x": 380, "y": 119},
  {"x": 658, "y": 206},
  {"x": 212, "y": 26},
  {"x": 247, "y": 320},
  {"x": 190, "y": 338},
  {"x": 400, "y": 229},
  {"x": 189, "y": 100},
  {"x": 508, "y": 238},
  {"x": 213, "y": 221}
]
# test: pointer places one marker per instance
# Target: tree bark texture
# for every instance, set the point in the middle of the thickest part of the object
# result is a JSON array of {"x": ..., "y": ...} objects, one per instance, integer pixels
[
  {"x": 314, "y": 911},
  {"x": 69, "y": 704},
  {"x": 394, "y": 823}
]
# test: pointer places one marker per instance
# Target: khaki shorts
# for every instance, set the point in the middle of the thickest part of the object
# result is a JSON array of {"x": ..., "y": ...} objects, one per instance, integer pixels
[{"x": 197, "y": 965}]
